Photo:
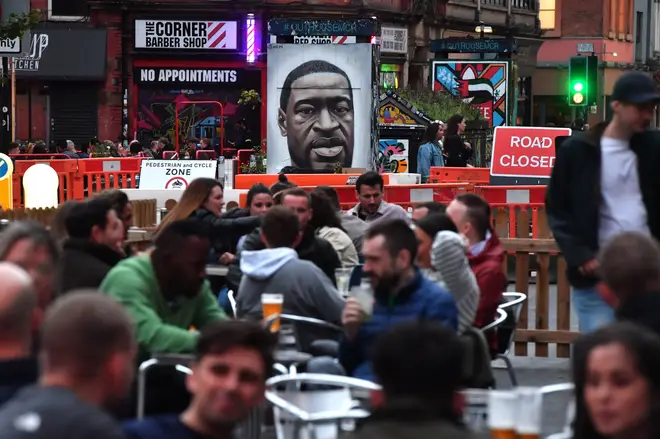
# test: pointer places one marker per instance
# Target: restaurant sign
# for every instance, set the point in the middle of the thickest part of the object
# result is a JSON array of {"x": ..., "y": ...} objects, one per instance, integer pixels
[
  {"x": 473, "y": 45},
  {"x": 326, "y": 28}
]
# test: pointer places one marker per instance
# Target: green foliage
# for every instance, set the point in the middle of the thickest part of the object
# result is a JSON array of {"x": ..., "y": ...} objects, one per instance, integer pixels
[
  {"x": 249, "y": 98},
  {"x": 259, "y": 162},
  {"x": 438, "y": 106},
  {"x": 17, "y": 24}
]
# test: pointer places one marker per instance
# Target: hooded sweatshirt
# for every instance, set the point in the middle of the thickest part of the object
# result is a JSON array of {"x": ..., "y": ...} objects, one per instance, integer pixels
[{"x": 307, "y": 291}]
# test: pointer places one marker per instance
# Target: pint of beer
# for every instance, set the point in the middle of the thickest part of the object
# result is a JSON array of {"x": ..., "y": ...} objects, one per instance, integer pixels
[
  {"x": 502, "y": 406},
  {"x": 272, "y": 304},
  {"x": 528, "y": 419}
]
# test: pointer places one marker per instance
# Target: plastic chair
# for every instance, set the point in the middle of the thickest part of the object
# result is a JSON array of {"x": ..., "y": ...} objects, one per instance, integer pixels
[
  {"x": 567, "y": 432},
  {"x": 314, "y": 414},
  {"x": 501, "y": 318},
  {"x": 232, "y": 302},
  {"x": 506, "y": 331}
]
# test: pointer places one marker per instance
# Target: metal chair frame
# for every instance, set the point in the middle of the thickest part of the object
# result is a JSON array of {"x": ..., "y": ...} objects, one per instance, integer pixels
[{"x": 513, "y": 306}]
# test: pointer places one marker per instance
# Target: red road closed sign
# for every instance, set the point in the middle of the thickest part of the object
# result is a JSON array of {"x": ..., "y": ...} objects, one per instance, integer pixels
[{"x": 524, "y": 151}]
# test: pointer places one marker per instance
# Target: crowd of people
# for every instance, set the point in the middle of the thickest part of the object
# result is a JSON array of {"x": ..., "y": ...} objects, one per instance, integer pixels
[{"x": 80, "y": 309}]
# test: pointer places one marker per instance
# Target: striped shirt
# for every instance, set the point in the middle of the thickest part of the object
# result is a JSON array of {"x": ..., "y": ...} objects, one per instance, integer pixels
[{"x": 452, "y": 271}]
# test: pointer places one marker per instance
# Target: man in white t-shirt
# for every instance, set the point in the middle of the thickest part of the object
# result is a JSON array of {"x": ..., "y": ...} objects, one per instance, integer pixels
[{"x": 606, "y": 182}]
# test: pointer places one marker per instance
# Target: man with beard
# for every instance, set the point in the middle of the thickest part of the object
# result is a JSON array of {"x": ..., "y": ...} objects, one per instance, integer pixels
[
  {"x": 605, "y": 183},
  {"x": 87, "y": 361},
  {"x": 316, "y": 116},
  {"x": 401, "y": 293},
  {"x": 233, "y": 359}
]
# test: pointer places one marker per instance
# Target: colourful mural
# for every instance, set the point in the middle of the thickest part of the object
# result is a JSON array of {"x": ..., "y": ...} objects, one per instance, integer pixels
[
  {"x": 393, "y": 110},
  {"x": 482, "y": 84},
  {"x": 393, "y": 156}
]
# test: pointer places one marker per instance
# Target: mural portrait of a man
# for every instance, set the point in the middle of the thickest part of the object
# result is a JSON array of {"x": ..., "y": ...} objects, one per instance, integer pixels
[{"x": 316, "y": 115}]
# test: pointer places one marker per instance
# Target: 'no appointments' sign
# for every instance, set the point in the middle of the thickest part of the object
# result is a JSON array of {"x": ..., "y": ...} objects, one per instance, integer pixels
[{"x": 524, "y": 151}]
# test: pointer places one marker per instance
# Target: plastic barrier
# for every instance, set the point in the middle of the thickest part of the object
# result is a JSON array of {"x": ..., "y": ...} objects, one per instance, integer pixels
[
  {"x": 475, "y": 176},
  {"x": 97, "y": 175},
  {"x": 512, "y": 194},
  {"x": 245, "y": 181},
  {"x": 66, "y": 172}
]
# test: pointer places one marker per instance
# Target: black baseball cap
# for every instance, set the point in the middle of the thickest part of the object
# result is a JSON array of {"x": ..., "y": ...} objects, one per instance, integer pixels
[{"x": 635, "y": 88}]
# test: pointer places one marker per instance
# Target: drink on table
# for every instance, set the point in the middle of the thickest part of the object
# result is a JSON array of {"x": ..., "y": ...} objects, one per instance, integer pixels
[
  {"x": 528, "y": 419},
  {"x": 502, "y": 407},
  {"x": 343, "y": 277},
  {"x": 272, "y": 304}
]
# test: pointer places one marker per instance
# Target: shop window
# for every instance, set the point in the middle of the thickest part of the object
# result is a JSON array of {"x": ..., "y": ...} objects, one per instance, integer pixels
[{"x": 547, "y": 12}]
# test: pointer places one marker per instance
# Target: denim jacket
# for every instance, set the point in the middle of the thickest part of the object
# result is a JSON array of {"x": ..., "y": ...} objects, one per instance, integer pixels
[{"x": 429, "y": 154}]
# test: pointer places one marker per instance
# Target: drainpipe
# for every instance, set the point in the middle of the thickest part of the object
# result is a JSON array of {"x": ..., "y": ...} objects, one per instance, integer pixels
[{"x": 125, "y": 69}]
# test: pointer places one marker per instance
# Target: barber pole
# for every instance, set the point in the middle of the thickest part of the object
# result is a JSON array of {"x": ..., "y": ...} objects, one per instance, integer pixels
[{"x": 250, "y": 54}]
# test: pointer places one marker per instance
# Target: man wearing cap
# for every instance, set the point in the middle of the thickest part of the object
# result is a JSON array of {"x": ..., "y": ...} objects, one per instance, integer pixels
[{"x": 604, "y": 185}]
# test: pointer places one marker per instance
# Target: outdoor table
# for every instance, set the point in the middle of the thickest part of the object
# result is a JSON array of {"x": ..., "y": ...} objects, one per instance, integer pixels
[{"x": 217, "y": 270}]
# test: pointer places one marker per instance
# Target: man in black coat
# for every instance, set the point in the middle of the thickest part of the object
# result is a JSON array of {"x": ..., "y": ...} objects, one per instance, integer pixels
[
  {"x": 96, "y": 236},
  {"x": 604, "y": 184},
  {"x": 310, "y": 248}
]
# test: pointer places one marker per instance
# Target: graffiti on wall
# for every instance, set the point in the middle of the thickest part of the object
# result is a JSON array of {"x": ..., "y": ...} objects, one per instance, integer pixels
[
  {"x": 156, "y": 114},
  {"x": 482, "y": 84},
  {"x": 392, "y": 156}
]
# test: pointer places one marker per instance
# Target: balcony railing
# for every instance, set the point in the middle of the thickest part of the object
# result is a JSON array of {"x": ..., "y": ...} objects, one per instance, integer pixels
[{"x": 525, "y": 5}]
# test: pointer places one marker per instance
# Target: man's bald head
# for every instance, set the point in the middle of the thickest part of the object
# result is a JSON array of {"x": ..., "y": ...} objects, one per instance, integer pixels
[
  {"x": 82, "y": 331},
  {"x": 630, "y": 264},
  {"x": 18, "y": 301}
]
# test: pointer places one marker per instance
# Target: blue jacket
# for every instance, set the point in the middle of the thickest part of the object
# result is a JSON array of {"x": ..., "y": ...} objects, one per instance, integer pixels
[
  {"x": 428, "y": 155},
  {"x": 420, "y": 299}
]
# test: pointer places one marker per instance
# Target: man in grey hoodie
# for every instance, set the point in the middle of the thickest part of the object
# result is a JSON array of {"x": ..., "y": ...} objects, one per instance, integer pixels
[{"x": 307, "y": 291}]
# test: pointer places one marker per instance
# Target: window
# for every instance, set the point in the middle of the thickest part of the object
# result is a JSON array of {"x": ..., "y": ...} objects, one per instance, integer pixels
[
  {"x": 547, "y": 14},
  {"x": 67, "y": 10},
  {"x": 639, "y": 24}
]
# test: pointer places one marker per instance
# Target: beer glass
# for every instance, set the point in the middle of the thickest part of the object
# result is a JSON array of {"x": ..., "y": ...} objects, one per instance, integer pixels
[
  {"x": 365, "y": 295},
  {"x": 528, "y": 418},
  {"x": 343, "y": 277},
  {"x": 502, "y": 407},
  {"x": 272, "y": 304}
]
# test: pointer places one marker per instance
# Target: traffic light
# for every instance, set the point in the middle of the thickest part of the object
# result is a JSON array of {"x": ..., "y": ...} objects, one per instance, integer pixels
[
  {"x": 578, "y": 85},
  {"x": 592, "y": 80}
]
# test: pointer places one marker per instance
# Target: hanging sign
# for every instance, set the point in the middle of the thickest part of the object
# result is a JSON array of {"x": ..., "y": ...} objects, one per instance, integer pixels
[{"x": 186, "y": 35}]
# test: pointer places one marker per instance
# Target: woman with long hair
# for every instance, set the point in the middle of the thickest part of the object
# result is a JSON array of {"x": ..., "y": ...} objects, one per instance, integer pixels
[
  {"x": 259, "y": 200},
  {"x": 327, "y": 225},
  {"x": 442, "y": 256},
  {"x": 430, "y": 151},
  {"x": 616, "y": 371},
  {"x": 203, "y": 200},
  {"x": 457, "y": 151}
]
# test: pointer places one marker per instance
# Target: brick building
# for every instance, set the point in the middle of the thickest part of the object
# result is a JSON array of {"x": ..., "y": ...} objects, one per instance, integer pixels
[
  {"x": 71, "y": 86},
  {"x": 616, "y": 31}
]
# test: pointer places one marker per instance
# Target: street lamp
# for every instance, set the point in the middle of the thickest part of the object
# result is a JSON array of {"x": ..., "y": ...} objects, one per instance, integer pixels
[{"x": 483, "y": 29}]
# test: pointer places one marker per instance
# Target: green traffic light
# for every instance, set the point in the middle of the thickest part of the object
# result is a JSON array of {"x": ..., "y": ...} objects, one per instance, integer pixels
[
  {"x": 578, "y": 98},
  {"x": 578, "y": 86}
]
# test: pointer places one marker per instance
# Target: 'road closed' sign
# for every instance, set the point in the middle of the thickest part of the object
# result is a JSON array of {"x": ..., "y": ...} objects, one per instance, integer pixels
[{"x": 524, "y": 151}]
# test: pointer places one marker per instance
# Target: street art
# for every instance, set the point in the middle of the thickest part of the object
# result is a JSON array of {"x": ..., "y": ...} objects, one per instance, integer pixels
[
  {"x": 392, "y": 156},
  {"x": 156, "y": 114},
  {"x": 391, "y": 114},
  {"x": 482, "y": 84}
]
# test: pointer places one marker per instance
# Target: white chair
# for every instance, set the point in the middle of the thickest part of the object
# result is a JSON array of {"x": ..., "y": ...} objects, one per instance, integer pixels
[
  {"x": 180, "y": 363},
  {"x": 314, "y": 414},
  {"x": 567, "y": 432},
  {"x": 232, "y": 302},
  {"x": 501, "y": 318}
]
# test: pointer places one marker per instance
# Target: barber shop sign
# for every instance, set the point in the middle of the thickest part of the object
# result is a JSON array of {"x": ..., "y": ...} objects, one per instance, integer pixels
[{"x": 186, "y": 35}]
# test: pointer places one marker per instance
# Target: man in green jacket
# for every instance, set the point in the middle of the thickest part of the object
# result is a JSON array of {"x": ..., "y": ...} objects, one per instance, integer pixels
[{"x": 166, "y": 292}]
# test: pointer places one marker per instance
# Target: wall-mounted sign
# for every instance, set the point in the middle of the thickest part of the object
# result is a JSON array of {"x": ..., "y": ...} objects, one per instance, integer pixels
[
  {"x": 185, "y": 76},
  {"x": 323, "y": 40},
  {"x": 299, "y": 27},
  {"x": 585, "y": 48},
  {"x": 473, "y": 45},
  {"x": 186, "y": 35},
  {"x": 394, "y": 40}
]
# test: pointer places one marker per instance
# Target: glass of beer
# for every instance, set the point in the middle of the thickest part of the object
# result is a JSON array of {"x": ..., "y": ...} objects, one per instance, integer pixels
[
  {"x": 502, "y": 407},
  {"x": 272, "y": 304},
  {"x": 528, "y": 419}
]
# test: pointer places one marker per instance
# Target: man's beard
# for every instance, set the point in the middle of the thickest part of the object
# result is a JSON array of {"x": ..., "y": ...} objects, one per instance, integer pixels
[{"x": 387, "y": 284}]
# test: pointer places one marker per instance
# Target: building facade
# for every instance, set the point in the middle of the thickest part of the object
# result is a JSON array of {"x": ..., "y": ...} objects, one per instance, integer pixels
[{"x": 616, "y": 31}]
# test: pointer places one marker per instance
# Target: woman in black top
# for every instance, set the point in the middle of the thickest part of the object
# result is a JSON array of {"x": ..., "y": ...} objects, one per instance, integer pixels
[{"x": 457, "y": 152}]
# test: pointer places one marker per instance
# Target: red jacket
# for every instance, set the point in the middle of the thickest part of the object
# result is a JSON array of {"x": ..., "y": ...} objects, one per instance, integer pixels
[{"x": 489, "y": 271}]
